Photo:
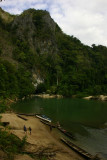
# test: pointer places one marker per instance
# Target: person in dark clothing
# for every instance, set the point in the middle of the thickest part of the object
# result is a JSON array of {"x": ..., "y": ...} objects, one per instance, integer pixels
[
  {"x": 25, "y": 129},
  {"x": 50, "y": 127},
  {"x": 30, "y": 130}
]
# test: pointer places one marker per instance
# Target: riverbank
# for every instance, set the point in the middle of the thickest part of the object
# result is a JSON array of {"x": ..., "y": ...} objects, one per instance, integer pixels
[
  {"x": 49, "y": 96},
  {"x": 98, "y": 97},
  {"x": 40, "y": 140}
]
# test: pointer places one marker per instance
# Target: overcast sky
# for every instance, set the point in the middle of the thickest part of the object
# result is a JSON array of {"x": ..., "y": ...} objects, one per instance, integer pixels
[{"x": 84, "y": 19}]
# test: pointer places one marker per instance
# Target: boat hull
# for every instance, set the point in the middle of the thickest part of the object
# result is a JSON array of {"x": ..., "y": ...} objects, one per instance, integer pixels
[{"x": 42, "y": 118}]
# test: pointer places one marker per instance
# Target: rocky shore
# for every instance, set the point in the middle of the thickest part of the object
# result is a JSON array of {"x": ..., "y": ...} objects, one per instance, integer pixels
[
  {"x": 99, "y": 97},
  {"x": 49, "y": 96}
]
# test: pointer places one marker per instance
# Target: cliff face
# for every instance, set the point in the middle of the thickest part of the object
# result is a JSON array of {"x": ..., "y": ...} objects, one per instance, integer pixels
[
  {"x": 38, "y": 29},
  {"x": 6, "y": 16},
  {"x": 33, "y": 42}
]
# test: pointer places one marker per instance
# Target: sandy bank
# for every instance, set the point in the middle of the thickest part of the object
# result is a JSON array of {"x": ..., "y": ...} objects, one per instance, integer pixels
[{"x": 40, "y": 139}]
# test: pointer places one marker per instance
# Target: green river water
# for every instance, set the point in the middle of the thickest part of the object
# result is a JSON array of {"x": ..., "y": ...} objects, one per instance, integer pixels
[{"x": 85, "y": 119}]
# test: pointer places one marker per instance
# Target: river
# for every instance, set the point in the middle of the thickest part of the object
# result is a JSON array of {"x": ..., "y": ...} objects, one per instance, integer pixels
[{"x": 85, "y": 119}]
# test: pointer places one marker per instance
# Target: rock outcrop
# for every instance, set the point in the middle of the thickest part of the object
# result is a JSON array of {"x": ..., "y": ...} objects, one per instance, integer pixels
[{"x": 99, "y": 97}]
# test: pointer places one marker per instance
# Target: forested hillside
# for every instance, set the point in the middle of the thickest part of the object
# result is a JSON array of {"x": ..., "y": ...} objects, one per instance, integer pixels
[{"x": 34, "y": 49}]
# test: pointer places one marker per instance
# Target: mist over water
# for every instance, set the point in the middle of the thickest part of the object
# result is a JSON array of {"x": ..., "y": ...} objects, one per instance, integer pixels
[{"x": 85, "y": 119}]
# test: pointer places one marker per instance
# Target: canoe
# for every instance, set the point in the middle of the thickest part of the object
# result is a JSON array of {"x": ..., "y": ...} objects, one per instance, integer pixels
[
  {"x": 28, "y": 114},
  {"x": 22, "y": 117},
  {"x": 68, "y": 134},
  {"x": 25, "y": 114},
  {"x": 48, "y": 124},
  {"x": 43, "y": 117},
  {"x": 79, "y": 150}
]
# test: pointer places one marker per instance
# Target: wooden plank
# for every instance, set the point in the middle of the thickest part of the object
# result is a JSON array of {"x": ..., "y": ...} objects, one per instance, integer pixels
[
  {"x": 25, "y": 114},
  {"x": 22, "y": 117}
]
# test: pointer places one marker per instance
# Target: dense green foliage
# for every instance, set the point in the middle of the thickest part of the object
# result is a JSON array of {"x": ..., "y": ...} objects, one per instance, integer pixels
[
  {"x": 11, "y": 144},
  {"x": 2, "y": 107},
  {"x": 14, "y": 82},
  {"x": 76, "y": 70},
  {"x": 84, "y": 68},
  {"x": 38, "y": 46},
  {"x": 23, "y": 54}
]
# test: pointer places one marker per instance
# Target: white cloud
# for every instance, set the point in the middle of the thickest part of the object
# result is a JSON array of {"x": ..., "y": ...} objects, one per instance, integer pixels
[{"x": 84, "y": 19}]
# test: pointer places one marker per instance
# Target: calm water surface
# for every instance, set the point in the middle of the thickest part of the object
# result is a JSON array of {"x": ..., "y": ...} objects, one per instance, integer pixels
[{"x": 85, "y": 119}]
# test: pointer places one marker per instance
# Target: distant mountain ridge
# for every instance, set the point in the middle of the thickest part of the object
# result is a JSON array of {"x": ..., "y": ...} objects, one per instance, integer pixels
[{"x": 33, "y": 49}]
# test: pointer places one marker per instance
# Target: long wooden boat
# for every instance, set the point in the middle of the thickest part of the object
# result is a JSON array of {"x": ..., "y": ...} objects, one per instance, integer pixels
[
  {"x": 43, "y": 117},
  {"x": 27, "y": 114},
  {"x": 68, "y": 134},
  {"x": 79, "y": 150},
  {"x": 48, "y": 124},
  {"x": 22, "y": 117}
]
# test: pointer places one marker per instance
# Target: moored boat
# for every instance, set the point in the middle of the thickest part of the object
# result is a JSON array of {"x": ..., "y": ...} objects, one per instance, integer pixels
[
  {"x": 43, "y": 117},
  {"x": 79, "y": 150},
  {"x": 48, "y": 124},
  {"x": 68, "y": 134}
]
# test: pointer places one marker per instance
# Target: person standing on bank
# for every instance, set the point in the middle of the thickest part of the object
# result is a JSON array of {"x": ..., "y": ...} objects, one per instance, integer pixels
[
  {"x": 30, "y": 130},
  {"x": 25, "y": 129},
  {"x": 50, "y": 127}
]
